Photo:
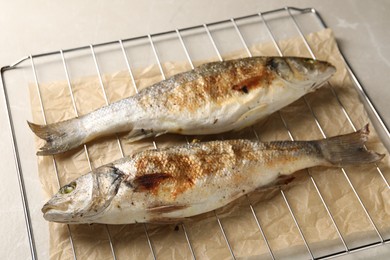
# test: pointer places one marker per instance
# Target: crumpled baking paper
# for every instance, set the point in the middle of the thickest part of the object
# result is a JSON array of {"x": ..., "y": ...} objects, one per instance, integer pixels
[{"x": 237, "y": 219}]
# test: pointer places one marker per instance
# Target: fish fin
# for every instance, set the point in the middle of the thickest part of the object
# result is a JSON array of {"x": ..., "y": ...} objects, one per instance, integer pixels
[
  {"x": 60, "y": 137},
  {"x": 348, "y": 149},
  {"x": 283, "y": 180},
  {"x": 161, "y": 133},
  {"x": 280, "y": 182},
  {"x": 166, "y": 208},
  {"x": 164, "y": 220},
  {"x": 248, "y": 114},
  {"x": 149, "y": 182},
  {"x": 138, "y": 134}
]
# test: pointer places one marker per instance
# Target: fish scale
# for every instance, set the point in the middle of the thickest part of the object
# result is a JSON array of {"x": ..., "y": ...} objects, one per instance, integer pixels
[
  {"x": 212, "y": 98},
  {"x": 172, "y": 184}
]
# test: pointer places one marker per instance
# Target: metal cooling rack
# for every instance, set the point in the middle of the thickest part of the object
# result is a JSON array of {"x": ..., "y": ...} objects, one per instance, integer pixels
[{"x": 276, "y": 24}]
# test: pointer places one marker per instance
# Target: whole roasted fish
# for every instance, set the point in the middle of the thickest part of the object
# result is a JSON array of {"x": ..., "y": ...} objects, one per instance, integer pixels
[
  {"x": 175, "y": 183},
  {"x": 213, "y": 98}
]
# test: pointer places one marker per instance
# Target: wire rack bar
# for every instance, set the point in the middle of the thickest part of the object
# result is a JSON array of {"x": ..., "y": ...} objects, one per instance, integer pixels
[
  {"x": 216, "y": 215},
  {"x": 233, "y": 21},
  {"x": 255, "y": 133},
  {"x": 325, "y": 136},
  {"x": 328, "y": 212},
  {"x": 212, "y": 42},
  {"x": 85, "y": 146},
  {"x": 75, "y": 109},
  {"x": 192, "y": 66},
  {"x": 187, "y": 56},
  {"x": 104, "y": 93},
  {"x": 151, "y": 247},
  {"x": 305, "y": 10},
  {"x": 157, "y": 57},
  {"x": 366, "y": 98},
  {"x": 287, "y": 10},
  {"x": 260, "y": 228},
  {"x": 22, "y": 187},
  {"x": 117, "y": 138},
  {"x": 178, "y": 34},
  {"x": 154, "y": 143},
  {"x": 257, "y": 137},
  {"x": 128, "y": 66},
  {"x": 354, "y": 250},
  {"x": 332, "y": 88},
  {"x": 292, "y": 138},
  {"x": 354, "y": 129},
  {"x": 188, "y": 241},
  {"x": 290, "y": 134},
  {"x": 224, "y": 235},
  {"x": 74, "y": 103},
  {"x": 348, "y": 179},
  {"x": 53, "y": 157},
  {"x": 297, "y": 224},
  {"x": 69, "y": 84},
  {"x": 164, "y": 77},
  {"x": 185, "y": 50},
  {"x": 285, "y": 199},
  {"x": 361, "y": 203}
]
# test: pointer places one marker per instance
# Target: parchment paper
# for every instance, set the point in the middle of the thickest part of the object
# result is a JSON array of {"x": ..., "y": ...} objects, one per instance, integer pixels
[{"x": 169, "y": 242}]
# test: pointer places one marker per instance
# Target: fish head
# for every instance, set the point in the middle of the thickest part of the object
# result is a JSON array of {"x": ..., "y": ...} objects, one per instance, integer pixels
[
  {"x": 305, "y": 73},
  {"x": 84, "y": 198}
]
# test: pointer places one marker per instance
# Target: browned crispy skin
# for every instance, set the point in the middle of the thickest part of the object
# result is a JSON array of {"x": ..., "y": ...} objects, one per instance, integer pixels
[
  {"x": 174, "y": 183},
  {"x": 213, "y": 83},
  {"x": 212, "y": 98},
  {"x": 179, "y": 171}
]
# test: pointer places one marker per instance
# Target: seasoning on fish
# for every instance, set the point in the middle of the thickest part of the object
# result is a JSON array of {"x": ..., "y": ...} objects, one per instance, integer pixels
[
  {"x": 213, "y": 98},
  {"x": 171, "y": 184}
]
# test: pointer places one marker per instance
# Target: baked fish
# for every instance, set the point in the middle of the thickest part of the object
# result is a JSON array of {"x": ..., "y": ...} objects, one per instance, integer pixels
[
  {"x": 171, "y": 184},
  {"x": 213, "y": 98}
]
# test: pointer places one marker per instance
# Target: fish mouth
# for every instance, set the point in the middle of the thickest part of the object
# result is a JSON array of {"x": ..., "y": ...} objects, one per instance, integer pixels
[
  {"x": 330, "y": 70},
  {"x": 324, "y": 77},
  {"x": 50, "y": 207},
  {"x": 55, "y": 213}
]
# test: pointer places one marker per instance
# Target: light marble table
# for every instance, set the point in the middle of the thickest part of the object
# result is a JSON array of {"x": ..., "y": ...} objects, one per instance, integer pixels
[{"x": 30, "y": 27}]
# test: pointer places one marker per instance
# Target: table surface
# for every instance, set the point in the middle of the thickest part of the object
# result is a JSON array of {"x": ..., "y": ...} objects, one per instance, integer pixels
[{"x": 30, "y": 27}]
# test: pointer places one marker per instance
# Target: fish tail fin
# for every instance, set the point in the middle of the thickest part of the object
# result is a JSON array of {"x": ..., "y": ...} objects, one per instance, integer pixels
[
  {"x": 60, "y": 137},
  {"x": 349, "y": 149}
]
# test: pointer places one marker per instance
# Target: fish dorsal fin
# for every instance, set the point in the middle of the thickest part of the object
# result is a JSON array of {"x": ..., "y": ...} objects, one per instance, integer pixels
[{"x": 250, "y": 113}]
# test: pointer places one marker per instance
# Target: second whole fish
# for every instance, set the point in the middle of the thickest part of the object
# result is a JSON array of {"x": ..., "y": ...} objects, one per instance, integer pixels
[
  {"x": 171, "y": 184},
  {"x": 213, "y": 98}
]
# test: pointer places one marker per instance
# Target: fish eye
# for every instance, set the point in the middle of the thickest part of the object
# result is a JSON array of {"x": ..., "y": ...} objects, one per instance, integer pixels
[
  {"x": 68, "y": 188},
  {"x": 310, "y": 61}
]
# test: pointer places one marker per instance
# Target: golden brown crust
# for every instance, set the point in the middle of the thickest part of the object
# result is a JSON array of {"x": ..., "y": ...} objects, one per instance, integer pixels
[
  {"x": 175, "y": 172},
  {"x": 214, "y": 83},
  {"x": 149, "y": 181}
]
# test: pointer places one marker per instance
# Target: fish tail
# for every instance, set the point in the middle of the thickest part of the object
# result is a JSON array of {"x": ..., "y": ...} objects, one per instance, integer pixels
[
  {"x": 59, "y": 137},
  {"x": 349, "y": 149}
]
